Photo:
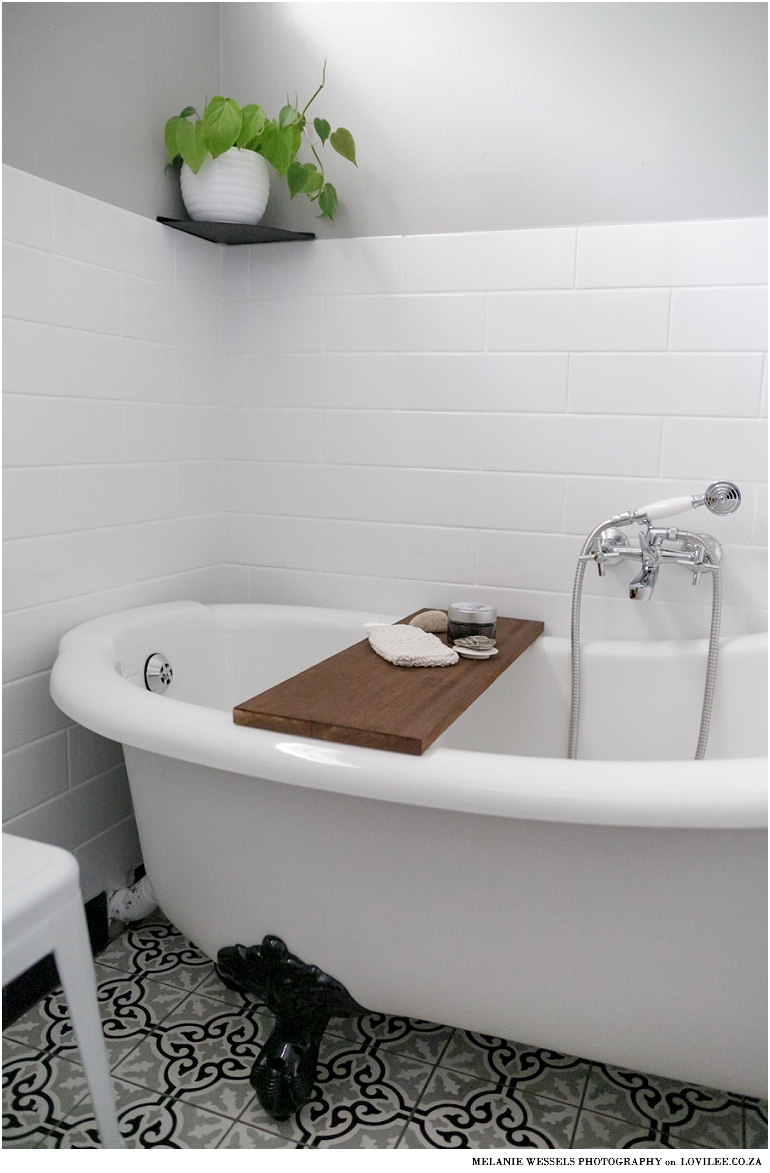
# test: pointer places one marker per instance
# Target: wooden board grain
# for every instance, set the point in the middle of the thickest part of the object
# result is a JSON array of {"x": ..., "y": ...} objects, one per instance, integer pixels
[{"x": 358, "y": 698}]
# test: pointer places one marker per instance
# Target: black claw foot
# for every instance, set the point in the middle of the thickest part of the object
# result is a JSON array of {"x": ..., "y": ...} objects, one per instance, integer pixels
[{"x": 303, "y": 999}]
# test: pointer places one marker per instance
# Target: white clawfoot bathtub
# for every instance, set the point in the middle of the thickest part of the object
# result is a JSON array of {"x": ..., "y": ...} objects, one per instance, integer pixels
[{"x": 610, "y": 907}]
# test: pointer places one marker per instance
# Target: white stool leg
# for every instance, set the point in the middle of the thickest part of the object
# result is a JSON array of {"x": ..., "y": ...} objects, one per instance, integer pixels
[{"x": 74, "y": 962}]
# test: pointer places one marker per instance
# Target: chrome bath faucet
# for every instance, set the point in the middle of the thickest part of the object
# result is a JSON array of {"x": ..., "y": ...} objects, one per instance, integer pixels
[
  {"x": 607, "y": 543},
  {"x": 698, "y": 552}
]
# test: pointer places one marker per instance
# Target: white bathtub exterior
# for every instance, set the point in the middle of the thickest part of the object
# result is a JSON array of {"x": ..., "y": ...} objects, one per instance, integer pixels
[{"x": 609, "y": 908}]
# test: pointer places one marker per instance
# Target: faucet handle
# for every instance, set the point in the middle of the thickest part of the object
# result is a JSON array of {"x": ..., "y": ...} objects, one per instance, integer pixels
[
  {"x": 607, "y": 547},
  {"x": 702, "y": 555},
  {"x": 648, "y": 554}
]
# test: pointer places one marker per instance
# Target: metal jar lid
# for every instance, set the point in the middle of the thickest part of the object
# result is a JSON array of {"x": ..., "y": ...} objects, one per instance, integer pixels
[{"x": 477, "y": 613}]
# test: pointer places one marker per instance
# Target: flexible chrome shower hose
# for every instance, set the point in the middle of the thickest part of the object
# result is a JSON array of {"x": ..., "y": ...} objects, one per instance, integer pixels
[
  {"x": 577, "y": 594},
  {"x": 713, "y": 652},
  {"x": 711, "y": 663}
]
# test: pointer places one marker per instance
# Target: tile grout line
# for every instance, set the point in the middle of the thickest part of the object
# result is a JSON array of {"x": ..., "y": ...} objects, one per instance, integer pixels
[
  {"x": 432, "y": 1072},
  {"x": 580, "y": 1105}
]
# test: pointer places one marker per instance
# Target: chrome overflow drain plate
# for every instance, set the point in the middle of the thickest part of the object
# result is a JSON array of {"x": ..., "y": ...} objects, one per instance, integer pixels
[{"x": 157, "y": 672}]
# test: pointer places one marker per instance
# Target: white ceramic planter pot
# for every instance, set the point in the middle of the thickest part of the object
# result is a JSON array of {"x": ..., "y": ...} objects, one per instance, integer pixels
[{"x": 232, "y": 189}]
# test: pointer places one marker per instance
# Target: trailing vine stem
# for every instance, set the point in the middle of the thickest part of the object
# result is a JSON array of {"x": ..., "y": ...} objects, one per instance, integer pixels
[
  {"x": 315, "y": 194},
  {"x": 315, "y": 95}
]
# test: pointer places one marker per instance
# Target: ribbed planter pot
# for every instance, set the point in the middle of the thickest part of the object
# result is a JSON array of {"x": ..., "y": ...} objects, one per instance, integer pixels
[{"x": 231, "y": 189}]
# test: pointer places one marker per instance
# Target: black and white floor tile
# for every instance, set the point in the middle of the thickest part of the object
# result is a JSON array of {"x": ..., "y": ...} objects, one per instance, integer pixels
[
  {"x": 459, "y": 1112},
  {"x": 40, "y": 1091},
  {"x": 181, "y": 1046},
  {"x": 131, "y": 1005}
]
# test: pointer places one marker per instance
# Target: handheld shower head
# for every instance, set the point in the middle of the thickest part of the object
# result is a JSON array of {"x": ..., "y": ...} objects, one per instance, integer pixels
[{"x": 721, "y": 498}]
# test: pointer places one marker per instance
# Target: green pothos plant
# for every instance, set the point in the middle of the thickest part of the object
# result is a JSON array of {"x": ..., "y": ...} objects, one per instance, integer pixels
[{"x": 225, "y": 124}]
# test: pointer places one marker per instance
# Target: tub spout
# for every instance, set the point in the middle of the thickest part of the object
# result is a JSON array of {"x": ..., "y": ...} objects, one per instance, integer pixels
[{"x": 643, "y": 585}]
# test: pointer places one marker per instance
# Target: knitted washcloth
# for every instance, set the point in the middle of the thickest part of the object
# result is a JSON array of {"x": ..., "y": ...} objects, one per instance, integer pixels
[{"x": 410, "y": 647}]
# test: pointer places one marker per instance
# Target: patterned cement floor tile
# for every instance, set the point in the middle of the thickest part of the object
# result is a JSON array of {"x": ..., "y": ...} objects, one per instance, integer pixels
[
  {"x": 32, "y": 1140},
  {"x": 156, "y": 948},
  {"x": 121, "y": 951},
  {"x": 386, "y": 1137},
  {"x": 241, "y": 1136},
  {"x": 38, "y": 1090},
  {"x": 411, "y": 1037},
  {"x": 212, "y": 986},
  {"x": 185, "y": 1058},
  {"x": 358, "y": 1093},
  {"x": 201, "y": 1053},
  {"x": 534, "y": 1070},
  {"x": 457, "y": 1112},
  {"x": 130, "y": 1005},
  {"x": 595, "y": 1131},
  {"x": 147, "y": 1120},
  {"x": 685, "y": 1112},
  {"x": 755, "y": 1117},
  {"x": 13, "y": 1050}
]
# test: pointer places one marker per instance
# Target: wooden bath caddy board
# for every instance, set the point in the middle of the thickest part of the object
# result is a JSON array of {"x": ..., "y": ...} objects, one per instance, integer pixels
[{"x": 358, "y": 698}]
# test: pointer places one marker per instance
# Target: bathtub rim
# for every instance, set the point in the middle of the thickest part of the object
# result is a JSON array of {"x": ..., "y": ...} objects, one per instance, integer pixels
[{"x": 87, "y": 685}]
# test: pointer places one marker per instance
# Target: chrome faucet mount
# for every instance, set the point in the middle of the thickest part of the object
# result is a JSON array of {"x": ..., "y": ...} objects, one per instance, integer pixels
[{"x": 656, "y": 547}]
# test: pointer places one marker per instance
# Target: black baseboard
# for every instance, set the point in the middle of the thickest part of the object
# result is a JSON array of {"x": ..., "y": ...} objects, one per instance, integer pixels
[{"x": 29, "y": 987}]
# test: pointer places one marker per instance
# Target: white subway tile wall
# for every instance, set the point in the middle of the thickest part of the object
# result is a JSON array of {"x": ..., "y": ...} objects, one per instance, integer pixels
[
  {"x": 459, "y": 431},
  {"x": 711, "y": 252},
  {"x": 379, "y": 423},
  {"x": 112, "y": 354}
]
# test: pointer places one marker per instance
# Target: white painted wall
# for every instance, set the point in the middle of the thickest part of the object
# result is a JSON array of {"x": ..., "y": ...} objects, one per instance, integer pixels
[
  {"x": 87, "y": 90},
  {"x": 468, "y": 116},
  {"x": 479, "y": 116}
]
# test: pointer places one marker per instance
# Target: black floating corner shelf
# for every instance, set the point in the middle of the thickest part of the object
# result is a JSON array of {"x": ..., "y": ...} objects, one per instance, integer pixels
[{"x": 234, "y": 233}]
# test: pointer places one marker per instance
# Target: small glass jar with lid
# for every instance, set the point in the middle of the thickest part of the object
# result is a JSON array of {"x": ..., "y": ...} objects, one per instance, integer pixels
[{"x": 466, "y": 619}]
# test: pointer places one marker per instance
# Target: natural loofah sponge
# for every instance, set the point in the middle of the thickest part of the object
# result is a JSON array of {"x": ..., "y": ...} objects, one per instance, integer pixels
[
  {"x": 430, "y": 621},
  {"x": 409, "y": 647}
]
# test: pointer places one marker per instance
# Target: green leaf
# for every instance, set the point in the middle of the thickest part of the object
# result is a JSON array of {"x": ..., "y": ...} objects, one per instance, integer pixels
[
  {"x": 304, "y": 178},
  {"x": 190, "y": 143},
  {"x": 327, "y": 201},
  {"x": 252, "y": 125},
  {"x": 288, "y": 117},
  {"x": 342, "y": 141},
  {"x": 221, "y": 125},
  {"x": 278, "y": 146},
  {"x": 296, "y": 177},
  {"x": 314, "y": 180},
  {"x": 188, "y": 110},
  {"x": 322, "y": 128},
  {"x": 171, "y": 139}
]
